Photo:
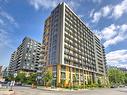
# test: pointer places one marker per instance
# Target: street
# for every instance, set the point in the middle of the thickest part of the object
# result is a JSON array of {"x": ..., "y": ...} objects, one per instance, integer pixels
[{"x": 101, "y": 91}]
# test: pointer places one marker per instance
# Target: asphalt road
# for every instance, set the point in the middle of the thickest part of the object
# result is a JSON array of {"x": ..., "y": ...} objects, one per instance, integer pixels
[{"x": 103, "y": 91}]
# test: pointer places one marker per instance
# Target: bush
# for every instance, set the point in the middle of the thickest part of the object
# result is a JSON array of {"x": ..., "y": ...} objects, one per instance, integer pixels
[
  {"x": 75, "y": 87},
  {"x": 94, "y": 85},
  {"x": 70, "y": 86},
  {"x": 82, "y": 86},
  {"x": 91, "y": 85}
]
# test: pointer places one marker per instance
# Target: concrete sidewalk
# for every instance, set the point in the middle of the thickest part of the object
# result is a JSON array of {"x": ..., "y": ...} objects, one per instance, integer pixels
[{"x": 6, "y": 92}]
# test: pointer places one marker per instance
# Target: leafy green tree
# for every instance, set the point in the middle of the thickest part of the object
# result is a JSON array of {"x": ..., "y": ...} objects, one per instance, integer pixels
[
  {"x": 62, "y": 82},
  {"x": 116, "y": 76},
  {"x": 21, "y": 77},
  {"x": 31, "y": 79},
  {"x": 125, "y": 78},
  {"x": 75, "y": 82},
  {"x": 99, "y": 82},
  {"x": 47, "y": 78}
]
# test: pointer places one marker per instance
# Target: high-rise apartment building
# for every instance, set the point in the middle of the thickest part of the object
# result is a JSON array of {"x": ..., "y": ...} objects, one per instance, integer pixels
[
  {"x": 5, "y": 72},
  {"x": 71, "y": 49},
  {"x": 27, "y": 56}
]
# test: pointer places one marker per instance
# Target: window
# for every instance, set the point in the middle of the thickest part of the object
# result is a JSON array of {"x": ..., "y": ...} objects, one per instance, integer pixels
[
  {"x": 63, "y": 75},
  {"x": 54, "y": 68},
  {"x": 63, "y": 68}
]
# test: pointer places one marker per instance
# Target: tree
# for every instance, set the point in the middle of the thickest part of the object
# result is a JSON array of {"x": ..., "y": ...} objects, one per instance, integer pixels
[
  {"x": 99, "y": 82},
  {"x": 62, "y": 82},
  {"x": 75, "y": 82},
  {"x": 125, "y": 78},
  {"x": 21, "y": 77},
  {"x": 47, "y": 78},
  {"x": 116, "y": 76},
  {"x": 32, "y": 79}
]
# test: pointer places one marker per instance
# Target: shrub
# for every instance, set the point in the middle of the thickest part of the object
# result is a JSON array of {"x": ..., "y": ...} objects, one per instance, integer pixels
[
  {"x": 82, "y": 86},
  {"x": 94, "y": 85},
  {"x": 75, "y": 87}
]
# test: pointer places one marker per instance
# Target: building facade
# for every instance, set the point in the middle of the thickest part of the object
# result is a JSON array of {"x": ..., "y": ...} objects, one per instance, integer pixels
[
  {"x": 27, "y": 56},
  {"x": 5, "y": 72},
  {"x": 73, "y": 52}
]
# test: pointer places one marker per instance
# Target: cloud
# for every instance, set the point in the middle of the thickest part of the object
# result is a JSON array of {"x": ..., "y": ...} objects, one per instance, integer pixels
[
  {"x": 112, "y": 34},
  {"x": 91, "y": 13},
  {"x": 106, "y": 10},
  {"x": 43, "y": 3},
  {"x": 109, "y": 32},
  {"x": 120, "y": 9},
  {"x": 102, "y": 13},
  {"x": 1, "y": 22},
  {"x": 117, "y": 58},
  {"x": 38, "y": 4},
  {"x": 8, "y": 18},
  {"x": 106, "y": 33},
  {"x": 120, "y": 33},
  {"x": 3, "y": 38},
  {"x": 4, "y": 1},
  {"x": 110, "y": 11},
  {"x": 96, "y": 17},
  {"x": 7, "y": 22}
]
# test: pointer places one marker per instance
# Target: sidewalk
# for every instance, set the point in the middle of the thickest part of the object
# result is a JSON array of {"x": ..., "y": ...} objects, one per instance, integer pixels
[{"x": 6, "y": 92}]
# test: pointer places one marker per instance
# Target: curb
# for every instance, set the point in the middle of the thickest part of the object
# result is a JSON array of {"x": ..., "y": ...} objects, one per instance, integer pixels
[{"x": 61, "y": 89}]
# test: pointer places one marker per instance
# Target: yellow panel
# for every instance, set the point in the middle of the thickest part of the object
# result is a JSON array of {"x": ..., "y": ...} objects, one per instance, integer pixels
[
  {"x": 58, "y": 73},
  {"x": 67, "y": 75}
]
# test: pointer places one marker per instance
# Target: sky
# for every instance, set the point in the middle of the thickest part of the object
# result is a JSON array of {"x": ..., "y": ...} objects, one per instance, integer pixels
[{"x": 106, "y": 18}]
